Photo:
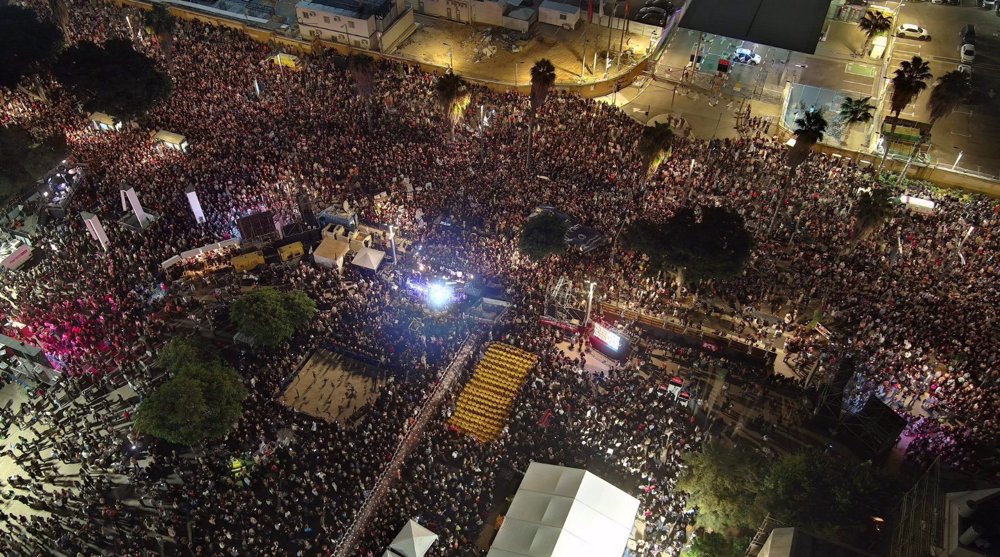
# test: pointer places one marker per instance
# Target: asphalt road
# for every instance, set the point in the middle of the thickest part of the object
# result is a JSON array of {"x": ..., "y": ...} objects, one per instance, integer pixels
[{"x": 972, "y": 130}]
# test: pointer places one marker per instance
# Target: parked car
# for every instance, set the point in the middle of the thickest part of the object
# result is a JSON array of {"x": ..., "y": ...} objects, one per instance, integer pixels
[
  {"x": 989, "y": 4},
  {"x": 912, "y": 31},
  {"x": 746, "y": 56},
  {"x": 951, "y": 2},
  {"x": 966, "y": 69},
  {"x": 967, "y": 53},
  {"x": 968, "y": 34},
  {"x": 665, "y": 5}
]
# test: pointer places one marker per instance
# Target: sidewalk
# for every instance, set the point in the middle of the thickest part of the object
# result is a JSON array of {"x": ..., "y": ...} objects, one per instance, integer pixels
[{"x": 707, "y": 115}]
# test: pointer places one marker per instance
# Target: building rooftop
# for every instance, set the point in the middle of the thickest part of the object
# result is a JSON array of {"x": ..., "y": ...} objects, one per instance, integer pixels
[
  {"x": 560, "y": 6},
  {"x": 761, "y": 21},
  {"x": 357, "y": 9}
]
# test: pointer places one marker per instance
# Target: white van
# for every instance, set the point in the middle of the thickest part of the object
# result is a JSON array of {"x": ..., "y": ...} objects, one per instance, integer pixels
[{"x": 878, "y": 47}]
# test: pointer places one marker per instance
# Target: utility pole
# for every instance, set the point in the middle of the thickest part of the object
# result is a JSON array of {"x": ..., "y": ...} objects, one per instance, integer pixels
[{"x": 611, "y": 20}]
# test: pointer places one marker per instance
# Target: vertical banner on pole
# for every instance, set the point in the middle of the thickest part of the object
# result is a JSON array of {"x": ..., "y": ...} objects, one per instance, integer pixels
[
  {"x": 192, "y": 197},
  {"x": 130, "y": 198},
  {"x": 96, "y": 229}
]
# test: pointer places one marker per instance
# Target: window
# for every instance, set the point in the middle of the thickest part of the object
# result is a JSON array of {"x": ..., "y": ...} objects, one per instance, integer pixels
[
  {"x": 326, "y": 19},
  {"x": 336, "y": 18},
  {"x": 562, "y": 17},
  {"x": 350, "y": 24}
]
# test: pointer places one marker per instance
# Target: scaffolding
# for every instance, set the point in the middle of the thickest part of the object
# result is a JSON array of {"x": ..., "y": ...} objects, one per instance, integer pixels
[{"x": 918, "y": 528}]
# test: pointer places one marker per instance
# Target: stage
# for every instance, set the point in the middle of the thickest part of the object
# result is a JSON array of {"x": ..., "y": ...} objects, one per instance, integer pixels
[{"x": 332, "y": 387}]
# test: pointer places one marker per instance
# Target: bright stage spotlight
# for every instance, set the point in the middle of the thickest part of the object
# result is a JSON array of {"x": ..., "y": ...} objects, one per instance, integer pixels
[{"x": 439, "y": 295}]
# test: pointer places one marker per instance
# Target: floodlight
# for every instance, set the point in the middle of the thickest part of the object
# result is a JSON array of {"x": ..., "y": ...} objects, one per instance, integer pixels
[{"x": 439, "y": 295}]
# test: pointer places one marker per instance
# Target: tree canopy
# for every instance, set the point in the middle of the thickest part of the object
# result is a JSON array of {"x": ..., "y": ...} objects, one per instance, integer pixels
[
  {"x": 654, "y": 146},
  {"x": 24, "y": 160},
  {"x": 271, "y": 316},
  {"x": 201, "y": 401},
  {"x": 714, "y": 544},
  {"x": 543, "y": 235},
  {"x": 735, "y": 488},
  {"x": 26, "y": 44},
  {"x": 709, "y": 242},
  {"x": 112, "y": 77}
]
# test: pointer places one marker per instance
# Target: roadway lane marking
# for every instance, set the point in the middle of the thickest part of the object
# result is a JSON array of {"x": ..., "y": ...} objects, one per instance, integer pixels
[{"x": 953, "y": 132}]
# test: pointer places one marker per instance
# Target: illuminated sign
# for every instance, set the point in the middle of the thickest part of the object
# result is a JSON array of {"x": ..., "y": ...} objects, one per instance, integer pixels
[{"x": 612, "y": 340}]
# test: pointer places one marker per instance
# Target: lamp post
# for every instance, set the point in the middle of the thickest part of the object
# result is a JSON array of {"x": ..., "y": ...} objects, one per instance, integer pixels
[
  {"x": 516, "y": 64},
  {"x": 590, "y": 300},
  {"x": 958, "y": 158},
  {"x": 392, "y": 240}
]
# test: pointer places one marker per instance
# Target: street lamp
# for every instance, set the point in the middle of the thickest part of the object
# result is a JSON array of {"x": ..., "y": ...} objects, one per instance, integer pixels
[
  {"x": 590, "y": 300},
  {"x": 392, "y": 240}
]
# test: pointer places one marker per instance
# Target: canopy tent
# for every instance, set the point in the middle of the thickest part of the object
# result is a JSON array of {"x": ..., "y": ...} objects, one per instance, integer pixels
[
  {"x": 330, "y": 253},
  {"x": 369, "y": 258},
  {"x": 412, "y": 541},
  {"x": 565, "y": 512}
]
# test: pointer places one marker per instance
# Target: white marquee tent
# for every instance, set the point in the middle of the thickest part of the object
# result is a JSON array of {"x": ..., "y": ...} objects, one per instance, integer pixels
[
  {"x": 412, "y": 541},
  {"x": 330, "y": 253},
  {"x": 565, "y": 512},
  {"x": 368, "y": 258}
]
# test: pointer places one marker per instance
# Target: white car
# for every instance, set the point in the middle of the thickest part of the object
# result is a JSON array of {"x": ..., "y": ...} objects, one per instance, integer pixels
[
  {"x": 967, "y": 53},
  {"x": 912, "y": 31},
  {"x": 966, "y": 69},
  {"x": 746, "y": 56}
]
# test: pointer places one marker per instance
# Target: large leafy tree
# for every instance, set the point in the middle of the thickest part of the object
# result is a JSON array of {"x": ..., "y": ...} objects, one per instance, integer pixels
[
  {"x": 809, "y": 130},
  {"x": 452, "y": 97},
  {"x": 720, "y": 481},
  {"x": 701, "y": 243},
  {"x": 112, "y": 77},
  {"x": 543, "y": 78},
  {"x": 201, "y": 401},
  {"x": 654, "y": 146},
  {"x": 271, "y": 316},
  {"x": 24, "y": 160},
  {"x": 873, "y": 24},
  {"x": 543, "y": 235},
  {"x": 714, "y": 544},
  {"x": 824, "y": 495},
  {"x": 734, "y": 489},
  {"x": 26, "y": 44}
]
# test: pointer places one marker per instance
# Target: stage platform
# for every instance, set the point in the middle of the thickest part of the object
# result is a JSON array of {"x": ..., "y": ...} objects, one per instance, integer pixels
[{"x": 332, "y": 387}]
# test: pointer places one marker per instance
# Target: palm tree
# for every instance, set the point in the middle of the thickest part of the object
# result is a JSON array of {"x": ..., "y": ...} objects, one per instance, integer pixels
[
  {"x": 809, "y": 131},
  {"x": 909, "y": 81},
  {"x": 360, "y": 66},
  {"x": 452, "y": 97},
  {"x": 873, "y": 24},
  {"x": 60, "y": 15},
  {"x": 951, "y": 90},
  {"x": 163, "y": 24},
  {"x": 855, "y": 111},
  {"x": 543, "y": 77},
  {"x": 654, "y": 146}
]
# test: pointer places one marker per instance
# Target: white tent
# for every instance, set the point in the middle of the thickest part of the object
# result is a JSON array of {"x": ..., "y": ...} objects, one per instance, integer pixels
[
  {"x": 412, "y": 541},
  {"x": 330, "y": 253},
  {"x": 369, "y": 258},
  {"x": 565, "y": 512}
]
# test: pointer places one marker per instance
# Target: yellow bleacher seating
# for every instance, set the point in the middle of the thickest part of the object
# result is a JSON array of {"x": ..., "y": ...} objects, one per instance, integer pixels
[{"x": 484, "y": 404}]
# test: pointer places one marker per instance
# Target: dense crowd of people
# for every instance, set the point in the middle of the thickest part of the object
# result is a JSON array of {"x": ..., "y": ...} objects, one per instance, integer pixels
[{"x": 896, "y": 296}]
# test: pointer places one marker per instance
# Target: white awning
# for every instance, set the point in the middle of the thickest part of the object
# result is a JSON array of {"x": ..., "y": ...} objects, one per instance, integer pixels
[
  {"x": 413, "y": 540},
  {"x": 565, "y": 512},
  {"x": 369, "y": 258}
]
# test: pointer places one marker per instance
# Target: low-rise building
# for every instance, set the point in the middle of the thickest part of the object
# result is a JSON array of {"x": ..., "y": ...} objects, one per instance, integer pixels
[
  {"x": 559, "y": 13},
  {"x": 456, "y": 10},
  {"x": 488, "y": 12},
  {"x": 366, "y": 24}
]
